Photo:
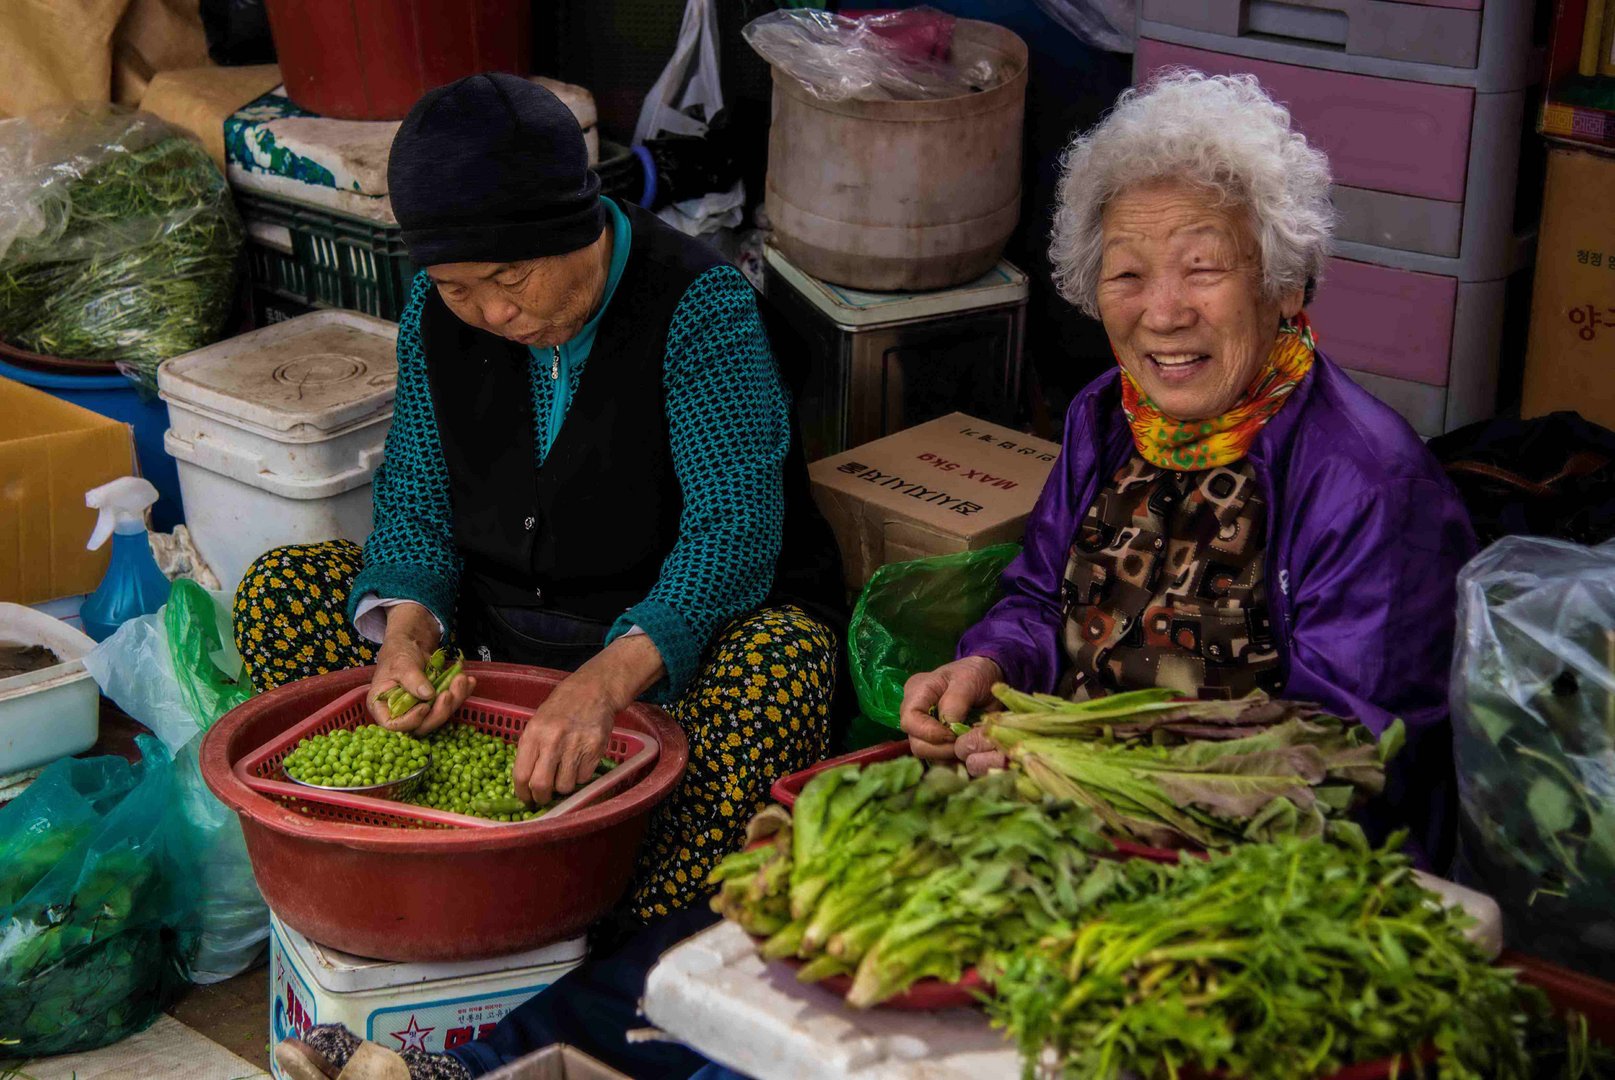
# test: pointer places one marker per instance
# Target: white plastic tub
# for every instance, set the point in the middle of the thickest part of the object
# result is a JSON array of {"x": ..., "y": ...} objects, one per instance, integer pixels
[
  {"x": 52, "y": 712},
  {"x": 278, "y": 433}
]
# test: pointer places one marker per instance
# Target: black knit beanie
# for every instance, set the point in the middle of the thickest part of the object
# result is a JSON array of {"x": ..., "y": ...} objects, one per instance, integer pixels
[{"x": 492, "y": 168}]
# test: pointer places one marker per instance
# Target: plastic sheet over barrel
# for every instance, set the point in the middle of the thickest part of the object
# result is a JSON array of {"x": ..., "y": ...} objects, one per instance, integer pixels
[{"x": 901, "y": 195}]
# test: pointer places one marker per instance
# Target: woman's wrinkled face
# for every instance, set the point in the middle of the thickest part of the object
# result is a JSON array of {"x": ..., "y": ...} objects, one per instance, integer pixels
[
  {"x": 1180, "y": 294},
  {"x": 537, "y": 302}
]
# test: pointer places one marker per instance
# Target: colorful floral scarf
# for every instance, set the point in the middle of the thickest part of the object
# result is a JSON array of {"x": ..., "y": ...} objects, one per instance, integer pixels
[{"x": 1192, "y": 445}]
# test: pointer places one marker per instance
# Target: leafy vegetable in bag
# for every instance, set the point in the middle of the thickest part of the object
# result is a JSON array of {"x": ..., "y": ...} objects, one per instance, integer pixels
[
  {"x": 1533, "y": 692},
  {"x": 118, "y": 238},
  {"x": 87, "y": 949}
]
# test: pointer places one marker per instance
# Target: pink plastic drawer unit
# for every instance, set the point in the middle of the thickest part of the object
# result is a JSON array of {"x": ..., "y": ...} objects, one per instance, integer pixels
[
  {"x": 1425, "y": 173},
  {"x": 1489, "y": 47},
  {"x": 1422, "y": 41},
  {"x": 1426, "y": 345},
  {"x": 1385, "y": 321},
  {"x": 1404, "y": 138}
]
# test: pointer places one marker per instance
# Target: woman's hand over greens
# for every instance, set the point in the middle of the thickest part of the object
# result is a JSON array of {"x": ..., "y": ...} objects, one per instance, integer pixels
[
  {"x": 934, "y": 700},
  {"x": 979, "y": 753}
]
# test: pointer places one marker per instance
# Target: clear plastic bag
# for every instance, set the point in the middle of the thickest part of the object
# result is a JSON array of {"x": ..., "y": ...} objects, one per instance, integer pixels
[
  {"x": 900, "y": 56},
  {"x": 688, "y": 94},
  {"x": 910, "y": 618},
  {"x": 1104, "y": 24},
  {"x": 87, "y": 952},
  {"x": 1533, "y": 696},
  {"x": 172, "y": 671},
  {"x": 118, "y": 238}
]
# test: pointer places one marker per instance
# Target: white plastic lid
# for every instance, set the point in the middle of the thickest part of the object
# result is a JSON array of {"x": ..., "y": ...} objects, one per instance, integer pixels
[
  {"x": 343, "y": 973},
  {"x": 296, "y": 381}
]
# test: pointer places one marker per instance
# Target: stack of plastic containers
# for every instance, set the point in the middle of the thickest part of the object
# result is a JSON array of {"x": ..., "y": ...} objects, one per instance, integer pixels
[{"x": 1422, "y": 106}]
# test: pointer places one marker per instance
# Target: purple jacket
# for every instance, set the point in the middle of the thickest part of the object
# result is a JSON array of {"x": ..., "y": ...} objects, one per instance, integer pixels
[{"x": 1365, "y": 538}]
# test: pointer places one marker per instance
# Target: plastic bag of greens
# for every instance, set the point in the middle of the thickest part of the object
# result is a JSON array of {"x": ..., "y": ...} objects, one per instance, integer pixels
[
  {"x": 87, "y": 949},
  {"x": 910, "y": 618},
  {"x": 118, "y": 238},
  {"x": 171, "y": 671},
  {"x": 1533, "y": 695}
]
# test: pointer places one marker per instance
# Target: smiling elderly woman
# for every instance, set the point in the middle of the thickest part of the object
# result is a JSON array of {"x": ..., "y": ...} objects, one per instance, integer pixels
[{"x": 1229, "y": 512}]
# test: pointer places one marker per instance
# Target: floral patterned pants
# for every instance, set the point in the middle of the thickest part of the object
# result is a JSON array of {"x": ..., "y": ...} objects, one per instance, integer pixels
[{"x": 758, "y": 709}]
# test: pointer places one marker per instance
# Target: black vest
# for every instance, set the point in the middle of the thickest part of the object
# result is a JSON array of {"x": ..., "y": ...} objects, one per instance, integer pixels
[{"x": 585, "y": 535}]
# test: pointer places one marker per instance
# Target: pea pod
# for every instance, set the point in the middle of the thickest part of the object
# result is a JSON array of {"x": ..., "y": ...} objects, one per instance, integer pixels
[
  {"x": 400, "y": 701},
  {"x": 494, "y": 807}
]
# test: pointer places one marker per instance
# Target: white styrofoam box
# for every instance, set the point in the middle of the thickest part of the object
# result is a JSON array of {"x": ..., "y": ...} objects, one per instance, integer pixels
[
  {"x": 430, "y": 1007},
  {"x": 52, "y": 712},
  {"x": 716, "y": 995},
  {"x": 277, "y": 434}
]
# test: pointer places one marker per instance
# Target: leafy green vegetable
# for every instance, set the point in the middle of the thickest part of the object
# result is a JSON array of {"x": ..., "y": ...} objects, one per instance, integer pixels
[
  {"x": 892, "y": 873},
  {"x": 123, "y": 240},
  {"x": 1274, "y": 961},
  {"x": 1206, "y": 773}
]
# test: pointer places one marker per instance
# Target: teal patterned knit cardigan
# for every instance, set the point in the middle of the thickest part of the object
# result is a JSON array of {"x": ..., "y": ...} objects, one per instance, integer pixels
[{"x": 729, "y": 418}]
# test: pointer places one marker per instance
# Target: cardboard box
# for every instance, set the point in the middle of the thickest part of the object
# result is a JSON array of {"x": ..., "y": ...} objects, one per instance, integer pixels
[
  {"x": 51, "y": 453},
  {"x": 1570, "y": 361},
  {"x": 558, "y": 1062},
  {"x": 953, "y": 484}
]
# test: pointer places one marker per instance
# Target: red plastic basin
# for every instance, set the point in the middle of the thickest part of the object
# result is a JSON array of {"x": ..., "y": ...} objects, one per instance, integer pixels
[{"x": 436, "y": 894}]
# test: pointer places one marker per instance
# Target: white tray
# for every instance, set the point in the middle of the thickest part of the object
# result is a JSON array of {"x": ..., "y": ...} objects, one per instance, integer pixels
[{"x": 52, "y": 712}]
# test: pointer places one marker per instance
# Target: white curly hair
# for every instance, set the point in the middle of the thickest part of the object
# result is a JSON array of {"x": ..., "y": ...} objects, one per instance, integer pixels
[{"x": 1219, "y": 132}]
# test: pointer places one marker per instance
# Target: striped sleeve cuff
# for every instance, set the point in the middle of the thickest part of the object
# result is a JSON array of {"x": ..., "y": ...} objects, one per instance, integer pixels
[
  {"x": 673, "y": 639},
  {"x": 434, "y": 592}
]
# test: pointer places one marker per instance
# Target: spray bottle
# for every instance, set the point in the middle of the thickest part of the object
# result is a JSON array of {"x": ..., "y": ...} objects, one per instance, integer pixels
[{"x": 133, "y": 585}]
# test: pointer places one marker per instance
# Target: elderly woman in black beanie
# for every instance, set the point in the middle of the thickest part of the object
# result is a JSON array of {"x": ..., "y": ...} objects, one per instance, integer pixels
[{"x": 591, "y": 467}]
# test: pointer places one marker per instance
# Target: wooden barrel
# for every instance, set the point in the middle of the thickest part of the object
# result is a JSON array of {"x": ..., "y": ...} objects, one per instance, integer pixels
[{"x": 901, "y": 195}]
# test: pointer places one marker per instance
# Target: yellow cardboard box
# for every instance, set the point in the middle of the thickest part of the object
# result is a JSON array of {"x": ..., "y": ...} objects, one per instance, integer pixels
[
  {"x": 1570, "y": 360},
  {"x": 952, "y": 484},
  {"x": 51, "y": 453}
]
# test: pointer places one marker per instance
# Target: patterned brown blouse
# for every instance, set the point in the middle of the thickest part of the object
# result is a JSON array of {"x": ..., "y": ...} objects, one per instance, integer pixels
[{"x": 1165, "y": 586}]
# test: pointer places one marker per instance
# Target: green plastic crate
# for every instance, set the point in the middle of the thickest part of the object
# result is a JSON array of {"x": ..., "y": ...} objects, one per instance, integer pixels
[{"x": 333, "y": 260}]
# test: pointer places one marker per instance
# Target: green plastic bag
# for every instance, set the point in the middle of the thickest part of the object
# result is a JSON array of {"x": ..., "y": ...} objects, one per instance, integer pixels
[
  {"x": 88, "y": 955},
  {"x": 177, "y": 672},
  {"x": 910, "y": 618},
  {"x": 206, "y": 664}
]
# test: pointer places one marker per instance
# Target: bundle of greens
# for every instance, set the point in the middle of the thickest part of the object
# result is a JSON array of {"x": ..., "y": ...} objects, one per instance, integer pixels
[
  {"x": 1274, "y": 961},
  {"x": 892, "y": 874},
  {"x": 118, "y": 238},
  {"x": 1202, "y": 773}
]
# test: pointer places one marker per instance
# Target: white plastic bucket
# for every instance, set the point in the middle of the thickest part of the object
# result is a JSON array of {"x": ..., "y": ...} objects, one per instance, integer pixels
[
  {"x": 52, "y": 712},
  {"x": 277, "y": 434}
]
